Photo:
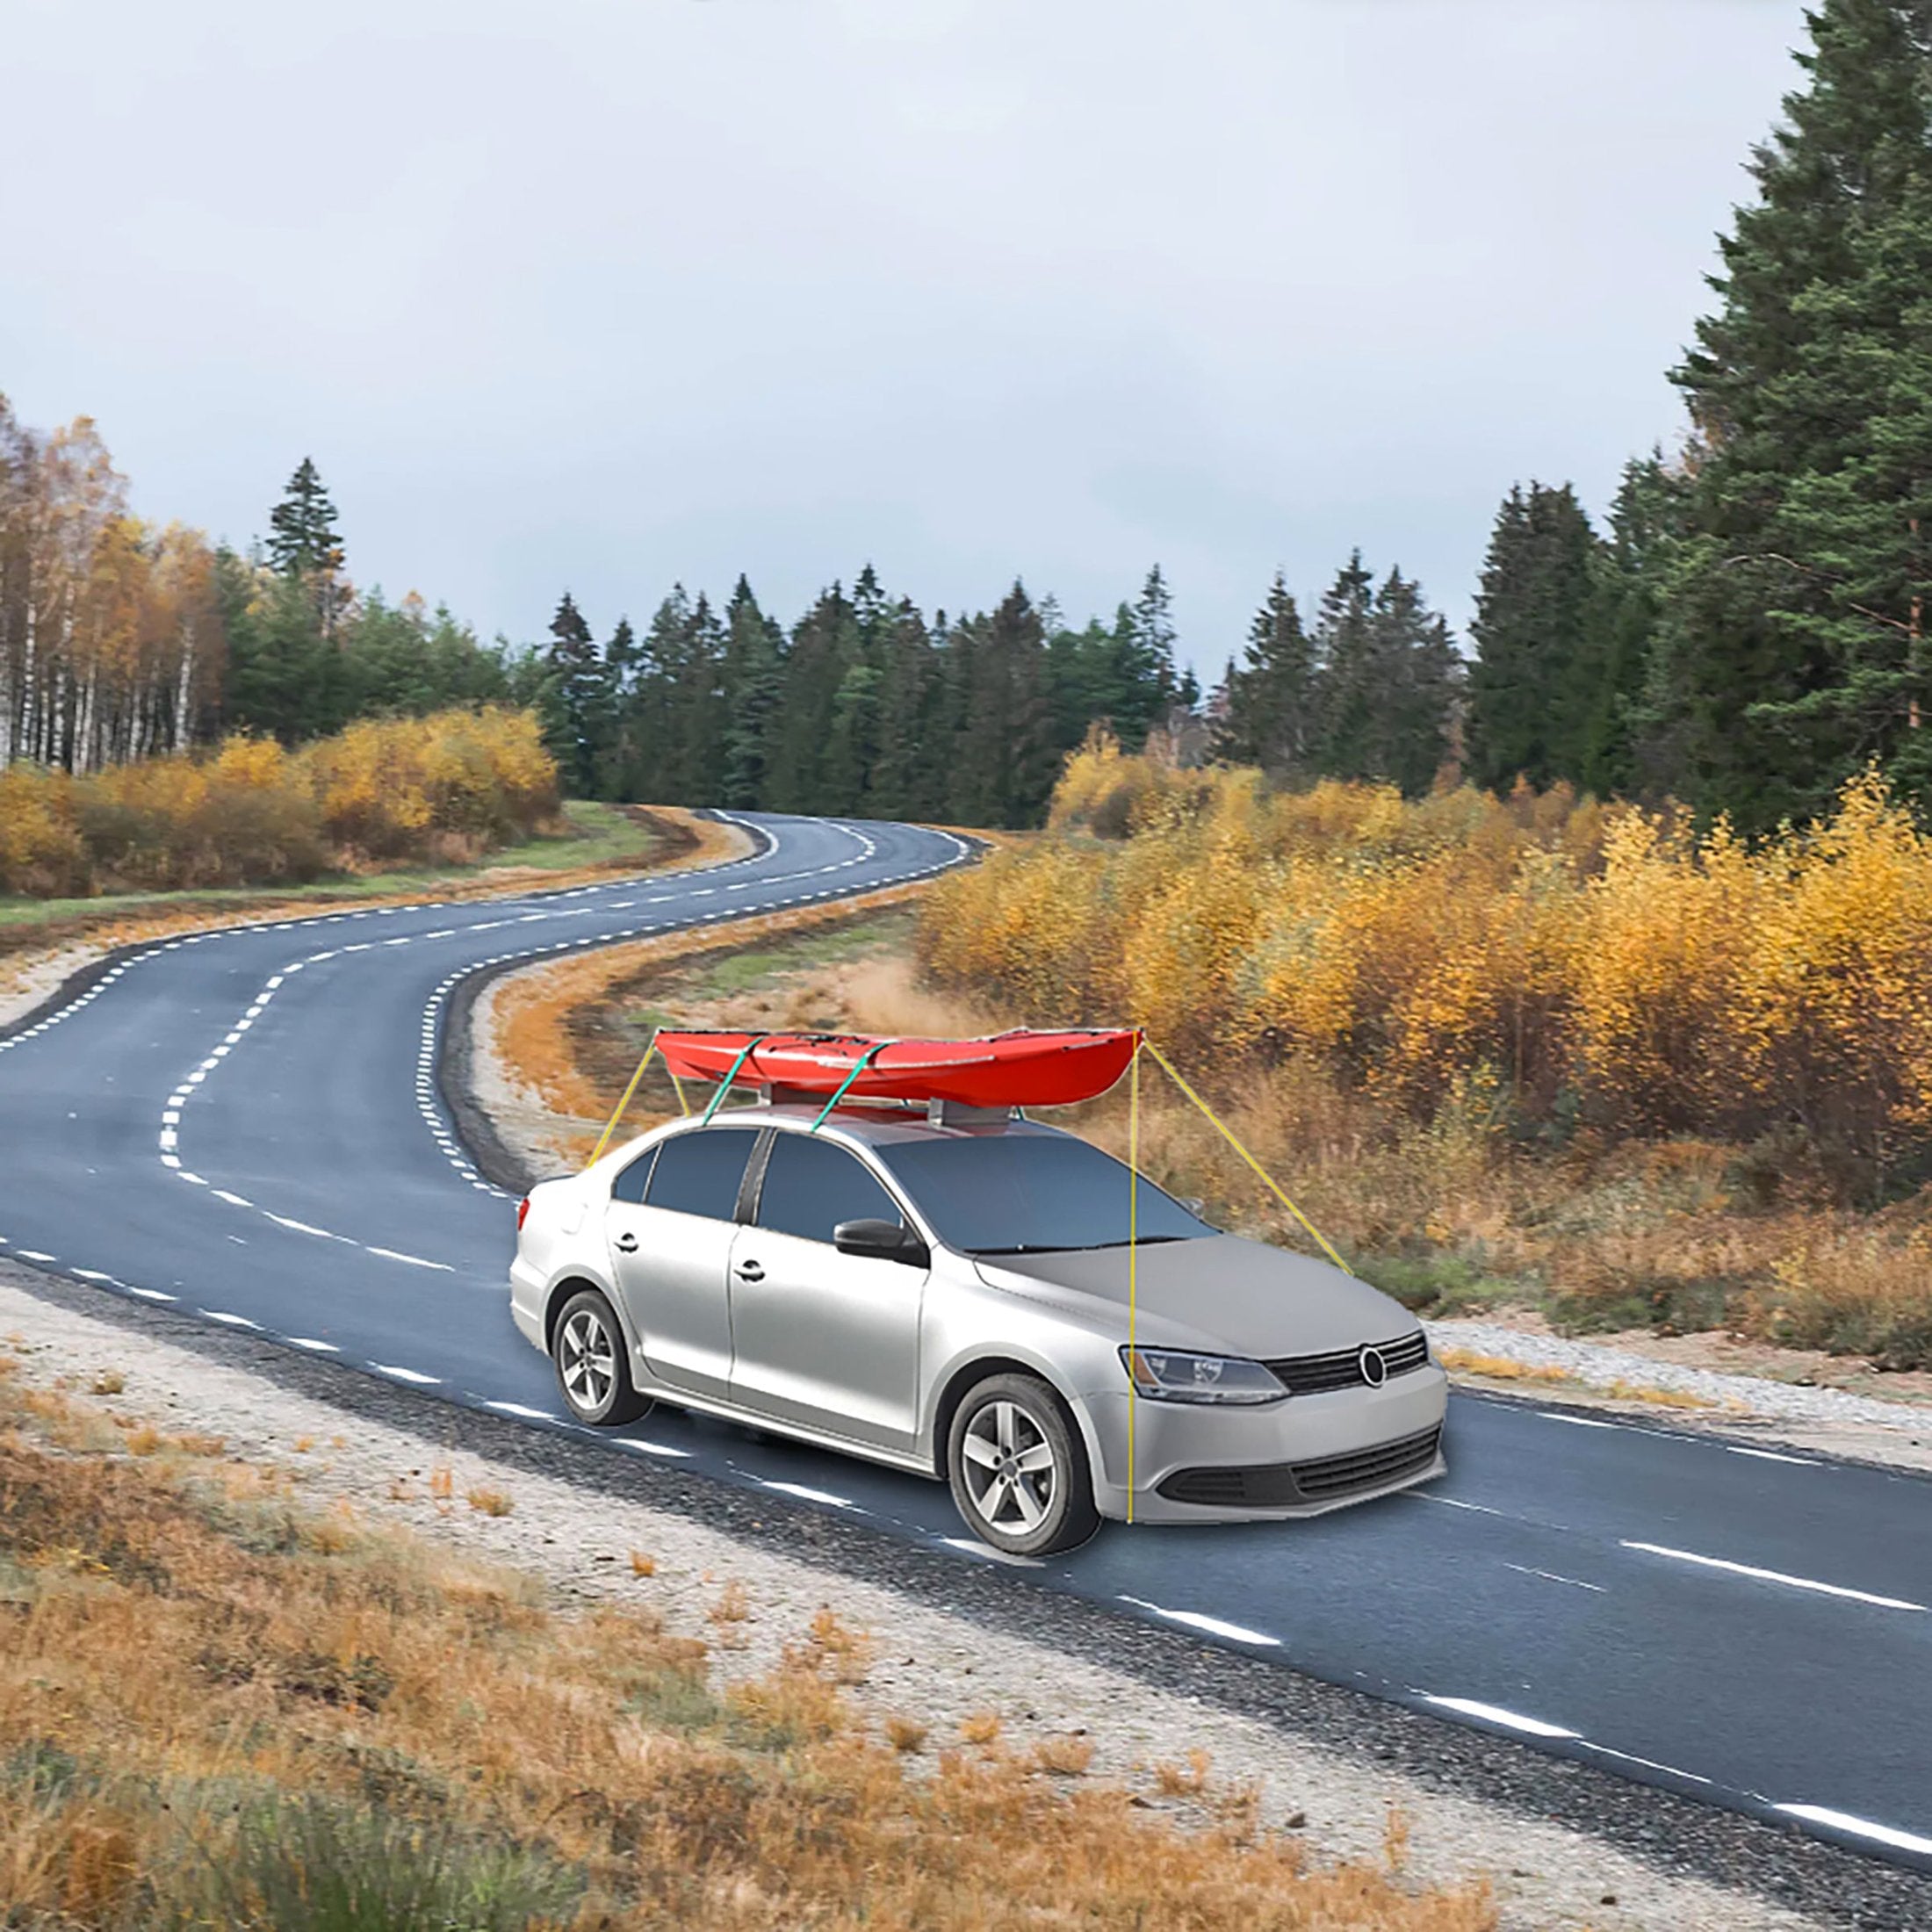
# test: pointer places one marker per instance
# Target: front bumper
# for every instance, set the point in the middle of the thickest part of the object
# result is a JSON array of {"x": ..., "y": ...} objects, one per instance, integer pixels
[{"x": 1351, "y": 1436}]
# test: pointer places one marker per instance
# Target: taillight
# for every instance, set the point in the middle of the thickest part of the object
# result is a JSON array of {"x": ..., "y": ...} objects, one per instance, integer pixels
[{"x": 522, "y": 1213}]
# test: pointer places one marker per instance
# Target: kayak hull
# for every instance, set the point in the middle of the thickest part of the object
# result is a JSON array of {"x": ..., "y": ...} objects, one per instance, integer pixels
[{"x": 1018, "y": 1069}]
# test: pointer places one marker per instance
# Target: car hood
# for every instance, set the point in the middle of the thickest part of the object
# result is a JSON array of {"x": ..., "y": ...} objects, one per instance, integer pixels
[{"x": 1219, "y": 1292}]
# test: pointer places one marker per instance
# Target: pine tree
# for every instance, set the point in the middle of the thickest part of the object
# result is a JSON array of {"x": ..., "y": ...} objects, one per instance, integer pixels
[
  {"x": 907, "y": 781},
  {"x": 1770, "y": 685},
  {"x": 614, "y": 759},
  {"x": 752, "y": 677},
  {"x": 1420, "y": 715},
  {"x": 1004, "y": 756},
  {"x": 1353, "y": 679},
  {"x": 575, "y": 688},
  {"x": 304, "y": 544},
  {"x": 1538, "y": 680},
  {"x": 1267, "y": 714},
  {"x": 824, "y": 646},
  {"x": 1628, "y": 743}
]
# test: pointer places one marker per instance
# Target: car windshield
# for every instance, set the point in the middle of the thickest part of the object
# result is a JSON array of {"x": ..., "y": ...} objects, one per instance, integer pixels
[{"x": 1027, "y": 1194}]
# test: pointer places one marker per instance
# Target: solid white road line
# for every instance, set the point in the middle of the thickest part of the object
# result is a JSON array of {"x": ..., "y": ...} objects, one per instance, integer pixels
[
  {"x": 1861, "y": 1828},
  {"x": 1777, "y": 1576},
  {"x": 415, "y": 1260},
  {"x": 1550, "y": 1576},
  {"x": 1212, "y": 1626},
  {"x": 1509, "y": 1720},
  {"x": 1649, "y": 1763},
  {"x": 809, "y": 1495}
]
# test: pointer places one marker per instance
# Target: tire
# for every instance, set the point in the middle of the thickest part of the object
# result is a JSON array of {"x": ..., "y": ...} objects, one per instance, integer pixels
[
  {"x": 1039, "y": 1511},
  {"x": 587, "y": 1346}
]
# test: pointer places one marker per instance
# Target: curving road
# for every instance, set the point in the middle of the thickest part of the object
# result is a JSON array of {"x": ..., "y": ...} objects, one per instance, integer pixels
[{"x": 248, "y": 1125}]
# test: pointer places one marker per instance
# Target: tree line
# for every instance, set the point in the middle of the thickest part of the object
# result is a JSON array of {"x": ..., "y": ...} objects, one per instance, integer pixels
[
  {"x": 1748, "y": 633},
  {"x": 121, "y": 639}
]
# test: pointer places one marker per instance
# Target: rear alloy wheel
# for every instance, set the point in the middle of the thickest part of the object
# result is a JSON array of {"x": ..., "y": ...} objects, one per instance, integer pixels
[
  {"x": 1019, "y": 1468},
  {"x": 588, "y": 1348}
]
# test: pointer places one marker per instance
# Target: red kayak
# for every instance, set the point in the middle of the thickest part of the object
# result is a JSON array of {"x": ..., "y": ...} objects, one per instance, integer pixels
[{"x": 1020, "y": 1069}]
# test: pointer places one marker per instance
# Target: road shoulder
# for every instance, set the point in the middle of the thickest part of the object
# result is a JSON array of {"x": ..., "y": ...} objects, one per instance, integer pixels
[{"x": 956, "y": 1641}]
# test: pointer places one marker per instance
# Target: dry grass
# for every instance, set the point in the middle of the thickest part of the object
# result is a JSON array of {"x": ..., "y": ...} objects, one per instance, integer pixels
[
  {"x": 1497, "y": 1367},
  {"x": 982, "y": 1728},
  {"x": 561, "y": 1032},
  {"x": 490, "y": 1502},
  {"x": 217, "y": 1708},
  {"x": 1063, "y": 1756}
]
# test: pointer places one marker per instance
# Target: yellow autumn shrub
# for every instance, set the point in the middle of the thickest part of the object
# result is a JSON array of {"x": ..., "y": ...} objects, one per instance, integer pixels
[
  {"x": 1597, "y": 965},
  {"x": 41, "y": 850},
  {"x": 449, "y": 786}
]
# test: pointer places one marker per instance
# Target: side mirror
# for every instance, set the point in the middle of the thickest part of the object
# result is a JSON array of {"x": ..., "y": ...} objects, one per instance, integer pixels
[{"x": 880, "y": 1241}]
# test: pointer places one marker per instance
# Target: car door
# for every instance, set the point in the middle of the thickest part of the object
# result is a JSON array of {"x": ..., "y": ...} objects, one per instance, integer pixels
[
  {"x": 671, "y": 1250},
  {"x": 826, "y": 1339}
]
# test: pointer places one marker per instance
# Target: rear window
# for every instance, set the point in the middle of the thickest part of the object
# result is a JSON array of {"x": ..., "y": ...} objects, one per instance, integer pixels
[
  {"x": 628, "y": 1185},
  {"x": 810, "y": 1185},
  {"x": 1024, "y": 1193},
  {"x": 699, "y": 1173}
]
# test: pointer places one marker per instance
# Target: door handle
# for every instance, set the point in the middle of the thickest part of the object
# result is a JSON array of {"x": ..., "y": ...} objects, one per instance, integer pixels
[
  {"x": 626, "y": 1244},
  {"x": 750, "y": 1270}
]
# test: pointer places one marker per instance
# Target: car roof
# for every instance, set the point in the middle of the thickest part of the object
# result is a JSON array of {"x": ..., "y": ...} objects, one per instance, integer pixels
[{"x": 881, "y": 1126}]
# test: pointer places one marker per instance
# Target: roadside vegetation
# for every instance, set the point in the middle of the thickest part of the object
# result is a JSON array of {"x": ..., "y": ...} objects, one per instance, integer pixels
[
  {"x": 445, "y": 788},
  {"x": 220, "y": 1708},
  {"x": 1528, "y": 1047}
]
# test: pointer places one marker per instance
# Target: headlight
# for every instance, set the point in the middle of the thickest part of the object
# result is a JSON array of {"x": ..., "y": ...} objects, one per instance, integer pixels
[{"x": 1168, "y": 1375}]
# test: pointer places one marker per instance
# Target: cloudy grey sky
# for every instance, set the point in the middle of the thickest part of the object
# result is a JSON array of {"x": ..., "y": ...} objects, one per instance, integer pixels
[{"x": 611, "y": 292}]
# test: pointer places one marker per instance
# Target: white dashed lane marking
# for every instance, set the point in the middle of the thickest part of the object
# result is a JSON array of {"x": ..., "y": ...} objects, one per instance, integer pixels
[
  {"x": 1550, "y": 1576},
  {"x": 1212, "y": 1626},
  {"x": 1859, "y": 1827},
  {"x": 1777, "y": 1576},
  {"x": 1494, "y": 1714}
]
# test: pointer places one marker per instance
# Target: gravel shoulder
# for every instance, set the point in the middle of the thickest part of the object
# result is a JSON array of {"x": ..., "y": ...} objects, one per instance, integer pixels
[
  {"x": 1643, "y": 1375},
  {"x": 956, "y": 1644}
]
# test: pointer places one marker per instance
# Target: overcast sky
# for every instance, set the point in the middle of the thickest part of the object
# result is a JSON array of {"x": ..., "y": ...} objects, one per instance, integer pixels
[{"x": 611, "y": 294}]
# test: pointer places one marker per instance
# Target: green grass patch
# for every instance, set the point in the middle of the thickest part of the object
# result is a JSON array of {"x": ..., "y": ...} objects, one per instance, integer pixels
[
  {"x": 736, "y": 973},
  {"x": 596, "y": 834}
]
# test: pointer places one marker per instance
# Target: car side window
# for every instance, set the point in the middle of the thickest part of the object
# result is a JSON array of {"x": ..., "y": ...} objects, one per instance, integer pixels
[
  {"x": 630, "y": 1185},
  {"x": 699, "y": 1173},
  {"x": 810, "y": 1185}
]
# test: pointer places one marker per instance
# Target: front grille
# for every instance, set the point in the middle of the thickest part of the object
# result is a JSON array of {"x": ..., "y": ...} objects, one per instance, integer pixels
[
  {"x": 1342, "y": 1367},
  {"x": 1282, "y": 1485},
  {"x": 1367, "y": 1469},
  {"x": 1268, "y": 1487}
]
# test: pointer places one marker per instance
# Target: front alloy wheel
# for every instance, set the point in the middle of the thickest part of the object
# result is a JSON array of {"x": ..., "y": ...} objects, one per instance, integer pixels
[
  {"x": 1019, "y": 1468},
  {"x": 591, "y": 1369}
]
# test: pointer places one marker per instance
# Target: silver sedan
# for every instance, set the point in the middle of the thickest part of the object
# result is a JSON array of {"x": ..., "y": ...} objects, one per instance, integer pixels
[{"x": 950, "y": 1296}]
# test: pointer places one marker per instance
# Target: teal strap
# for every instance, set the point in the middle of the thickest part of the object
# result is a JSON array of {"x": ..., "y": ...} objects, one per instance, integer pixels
[
  {"x": 859, "y": 1067},
  {"x": 725, "y": 1085}
]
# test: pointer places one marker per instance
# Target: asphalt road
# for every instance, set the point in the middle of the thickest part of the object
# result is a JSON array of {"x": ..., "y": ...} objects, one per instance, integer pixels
[{"x": 246, "y": 1126}]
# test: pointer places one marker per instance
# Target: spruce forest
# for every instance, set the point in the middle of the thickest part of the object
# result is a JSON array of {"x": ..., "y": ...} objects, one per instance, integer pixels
[{"x": 1743, "y": 635}]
